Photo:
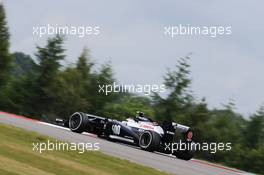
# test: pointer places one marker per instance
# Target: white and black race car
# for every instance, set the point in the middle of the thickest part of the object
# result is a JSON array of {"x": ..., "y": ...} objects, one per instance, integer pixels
[{"x": 169, "y": 137}]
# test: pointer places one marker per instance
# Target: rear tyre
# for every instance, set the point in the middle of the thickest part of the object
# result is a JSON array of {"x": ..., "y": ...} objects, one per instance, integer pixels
[
  {"x": 186, "y": 155},
  {"x": 149, "y": 141},
  {"x": 78, "y": 122}
]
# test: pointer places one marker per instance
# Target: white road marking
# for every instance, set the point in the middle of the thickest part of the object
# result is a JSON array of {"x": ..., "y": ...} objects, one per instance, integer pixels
[
  {"x": 68, "y": 129},
  {"x": 55, "y": 126}
]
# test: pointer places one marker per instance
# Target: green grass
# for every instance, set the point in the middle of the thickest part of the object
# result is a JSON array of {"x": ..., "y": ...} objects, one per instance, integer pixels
[{"x": 17, "y": 157}]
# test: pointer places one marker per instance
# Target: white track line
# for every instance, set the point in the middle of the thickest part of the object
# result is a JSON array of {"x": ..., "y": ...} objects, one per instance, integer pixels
[{"x": 60, "y": 127}]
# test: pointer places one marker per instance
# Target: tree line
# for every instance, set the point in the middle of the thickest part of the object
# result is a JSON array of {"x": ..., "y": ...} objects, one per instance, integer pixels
[{"x": 44, "y": 89}]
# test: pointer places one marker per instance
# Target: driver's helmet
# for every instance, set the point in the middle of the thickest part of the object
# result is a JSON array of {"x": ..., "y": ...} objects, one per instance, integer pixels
[
  {"x": 140, "y": 114},
  {"x": 141, "y": 117}
]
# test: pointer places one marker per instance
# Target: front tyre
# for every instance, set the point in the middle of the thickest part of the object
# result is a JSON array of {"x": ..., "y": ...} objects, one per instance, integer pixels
[
  {"x": 78, "y": 122},
  {"x": 149, "y": 141}
]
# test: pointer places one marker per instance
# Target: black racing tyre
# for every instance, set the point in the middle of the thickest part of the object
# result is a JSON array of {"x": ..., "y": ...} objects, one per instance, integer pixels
[
  {"x": 149, "y": 141},
  {"x": 185, "y": 155},
  {"x": 78, "y": 122}
]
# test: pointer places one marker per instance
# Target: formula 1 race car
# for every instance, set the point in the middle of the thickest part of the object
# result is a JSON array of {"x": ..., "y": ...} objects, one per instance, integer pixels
[{"x": 169, "y": 137}]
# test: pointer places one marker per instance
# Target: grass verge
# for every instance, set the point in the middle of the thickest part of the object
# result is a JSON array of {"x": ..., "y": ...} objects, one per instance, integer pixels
[{"x": 17, "y": 157}]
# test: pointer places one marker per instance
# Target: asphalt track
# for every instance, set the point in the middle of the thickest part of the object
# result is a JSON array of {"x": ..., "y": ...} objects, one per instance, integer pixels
[{"x": 155, "y": 160}]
